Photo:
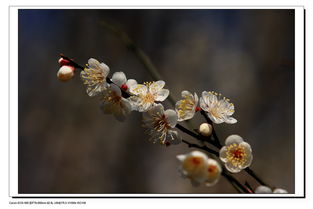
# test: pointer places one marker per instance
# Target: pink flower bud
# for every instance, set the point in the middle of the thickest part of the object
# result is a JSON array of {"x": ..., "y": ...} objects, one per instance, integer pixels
[
  {"x": 63, "y": 61},
  {"x": 124, "y": 87},
  {"x": 65, "y": 73}
]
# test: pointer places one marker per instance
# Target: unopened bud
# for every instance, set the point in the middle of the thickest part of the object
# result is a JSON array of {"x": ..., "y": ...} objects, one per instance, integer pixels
[
  {"x": 65, "y": 73},
  {"x": 124, "y": 87},
  {"x": 63, "y": 61},
  {"x": 205, "y": 129}
]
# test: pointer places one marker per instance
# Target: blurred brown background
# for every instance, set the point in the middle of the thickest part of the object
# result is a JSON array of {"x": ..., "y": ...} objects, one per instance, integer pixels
[{"x": 66, "y": 145}]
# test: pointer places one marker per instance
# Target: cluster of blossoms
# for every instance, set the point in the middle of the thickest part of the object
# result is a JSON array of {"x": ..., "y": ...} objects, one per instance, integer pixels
[
  {"x": 199, "y": 168},
  {"x": 120, "y": 96}
]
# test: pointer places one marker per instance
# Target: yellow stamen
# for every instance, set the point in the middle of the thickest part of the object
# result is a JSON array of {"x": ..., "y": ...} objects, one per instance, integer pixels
[{"x": 236, "y": 155}]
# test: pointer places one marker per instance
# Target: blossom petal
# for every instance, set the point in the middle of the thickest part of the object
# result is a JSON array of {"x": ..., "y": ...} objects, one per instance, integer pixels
[
  {"x": 96, "y": 89},
  {"x": 156, "y": 86},
  {"x": 263, "y": 190},
  {"x": 93, "y": 63},
  {"x": 157, "y": 109},
  {"x": 119, "y": 78},
  {"x": 280, "y": 191},
  {"x": 135, "y": 102},
  {"x": 211, "y": 182},
  {"x": 138, "y": 89},
  {"x": 230, "y": 120},
  {"x": 248, "y": 162},
  {"x": 214, "y": 176},
  {"x": 223, "y": 155},
  {"x": 181, "y": 157},
  {"x": 122, "y": 111},
  {"x": 233, "y": 139},
  {"x": 186, "y": 94},
  {"x": 172, "y": 117},
  {"x": 203, "y": 105},
  {"x": 197, "y": 153},
  {"x": 173, "y": 137},
  {"x": 196, "y": 99},
  {"x": 161, "y": 95},
  {"x": 105, "y": 69},
  {"x": 131, "y": 82},
  {"x": 214, "y": 119},
  {"x": 231, "y": 168},
  {"x": 249, "y": 156},
  {"x": 115, "y": 89},
  {"x": 209, "y": 98},
  {"x": 188, "y": 115}
]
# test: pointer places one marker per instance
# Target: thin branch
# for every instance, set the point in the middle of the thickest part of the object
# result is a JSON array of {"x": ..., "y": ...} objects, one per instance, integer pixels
[
  {"x": 249, "y": 187},
  {"x": 253, "y": 174},
  {"x": 235, "y": 181},
  {"x": 143, "y": 58},
  {"x": 196, "y": 136},
  {"x": 205, "y": 148},
  {"x": 72, "y": 62}
]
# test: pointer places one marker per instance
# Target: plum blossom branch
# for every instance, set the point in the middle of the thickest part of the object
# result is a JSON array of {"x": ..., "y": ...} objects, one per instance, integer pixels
[{"x": 215, "y": 142}]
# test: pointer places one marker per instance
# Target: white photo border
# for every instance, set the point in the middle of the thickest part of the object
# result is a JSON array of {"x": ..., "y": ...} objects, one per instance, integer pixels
[{"x": 299, "y": 105}]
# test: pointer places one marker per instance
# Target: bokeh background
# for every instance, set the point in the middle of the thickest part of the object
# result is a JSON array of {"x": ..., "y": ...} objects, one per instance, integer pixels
[{"x": 66, "y": 145}]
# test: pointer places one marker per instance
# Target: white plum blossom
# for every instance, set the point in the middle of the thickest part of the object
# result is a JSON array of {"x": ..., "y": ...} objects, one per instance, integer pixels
[
  {"x": 119, "y": 78},
  {"x": 114, "y": 103},
  {"x": 267, "y": 190},
  {"x": 213, "y": 172},
  {"x": 236, "y": 154},
  {"x": 94, "y": 76},
  {"x": 160, "y": 125},
  {"x": 145, "y": 95},
  {"x": 218, "y": 109},
  {"x": 65, "y": 73},
  {"x": 194, "y": 166},
  {"x": 186, "y": 107},
  {"x": 199, "y": 169}
]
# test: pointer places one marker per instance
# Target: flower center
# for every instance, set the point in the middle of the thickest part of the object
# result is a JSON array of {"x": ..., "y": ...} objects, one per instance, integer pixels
[
  {"x": 185, "y": 106},
  {"x": 221, "y": 106},
  {"x": 92, "y": 76},
  {"x": 196, "y": 160},
  {"x": 148, "y": 98},
  {"x": 161, "y": 124},
  {"x": 193, "y": 165},
  {"x": 236, "y": 154},
  {"x": 212, "y": 168}
]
